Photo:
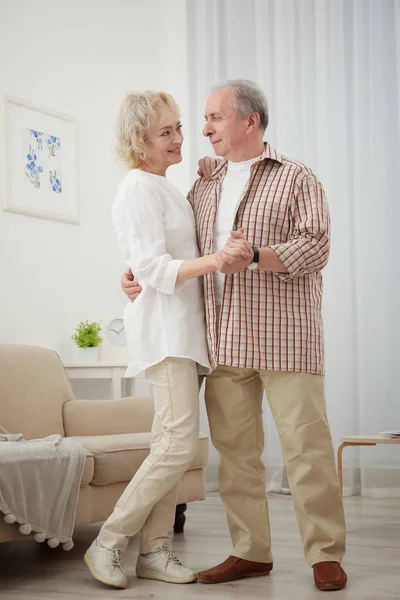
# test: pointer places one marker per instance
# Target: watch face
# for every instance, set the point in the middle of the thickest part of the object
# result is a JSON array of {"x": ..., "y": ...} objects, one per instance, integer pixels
[
  {"x": 115, "y": 333},
  {"x": 252, "y": 266}
]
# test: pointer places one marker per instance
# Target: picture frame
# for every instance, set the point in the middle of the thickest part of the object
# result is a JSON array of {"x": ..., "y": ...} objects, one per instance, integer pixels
[{"x": 38, "y": 161}]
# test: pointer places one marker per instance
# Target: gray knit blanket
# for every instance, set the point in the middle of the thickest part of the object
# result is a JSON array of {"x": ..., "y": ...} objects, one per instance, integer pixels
[{"x": 39, "y": 485}]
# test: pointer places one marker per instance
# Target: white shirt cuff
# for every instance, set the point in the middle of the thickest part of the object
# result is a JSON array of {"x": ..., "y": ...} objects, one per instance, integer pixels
[{"x": 167, "y": 285}]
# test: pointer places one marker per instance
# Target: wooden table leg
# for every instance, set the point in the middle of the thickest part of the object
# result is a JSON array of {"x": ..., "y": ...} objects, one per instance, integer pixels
[
  {"x": 340, "y": 461},
  {"x": 340, "y": 465},
  {"x": 116, "y": 384}
]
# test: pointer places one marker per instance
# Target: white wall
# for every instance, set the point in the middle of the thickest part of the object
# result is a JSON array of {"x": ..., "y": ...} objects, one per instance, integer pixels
[{"x": 79, "y": 58}]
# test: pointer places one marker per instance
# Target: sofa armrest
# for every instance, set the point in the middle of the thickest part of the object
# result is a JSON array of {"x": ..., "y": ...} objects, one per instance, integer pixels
[{"x": 104, "y": 417}]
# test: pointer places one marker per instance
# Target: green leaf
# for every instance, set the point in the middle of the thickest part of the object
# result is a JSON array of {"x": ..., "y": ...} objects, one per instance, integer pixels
[{"x": 87, "y": 334}]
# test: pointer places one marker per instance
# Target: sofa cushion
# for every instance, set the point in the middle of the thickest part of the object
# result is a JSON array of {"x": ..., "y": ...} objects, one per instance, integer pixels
[
  {"x": 117, "y": 457},
  {"x": 33, "y": 388},
  {"x": 88, "y": 469}
]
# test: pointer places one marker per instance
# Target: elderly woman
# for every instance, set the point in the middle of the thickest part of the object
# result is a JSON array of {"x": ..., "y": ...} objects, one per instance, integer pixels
[{"x": 165, "y": 333}]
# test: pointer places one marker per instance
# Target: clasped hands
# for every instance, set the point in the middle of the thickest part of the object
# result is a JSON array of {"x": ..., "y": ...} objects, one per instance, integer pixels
[{"x": 236, "y": 255}]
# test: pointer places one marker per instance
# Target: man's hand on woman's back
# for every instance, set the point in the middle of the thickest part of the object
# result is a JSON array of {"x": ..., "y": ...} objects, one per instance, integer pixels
[{"x": 128, "y": 284}]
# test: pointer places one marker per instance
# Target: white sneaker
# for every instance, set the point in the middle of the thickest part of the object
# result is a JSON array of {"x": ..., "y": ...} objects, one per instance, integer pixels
[
  {"x": 164, "y": 566},
  {"x": 105, "y": 565}
]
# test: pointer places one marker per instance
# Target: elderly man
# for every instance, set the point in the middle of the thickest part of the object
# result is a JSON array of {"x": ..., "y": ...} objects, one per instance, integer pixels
[{"x": 265, "y": 333}]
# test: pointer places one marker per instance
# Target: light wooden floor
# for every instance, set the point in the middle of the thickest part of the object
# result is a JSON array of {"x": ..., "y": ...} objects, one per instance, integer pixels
[{"x": 29, "y": 570}]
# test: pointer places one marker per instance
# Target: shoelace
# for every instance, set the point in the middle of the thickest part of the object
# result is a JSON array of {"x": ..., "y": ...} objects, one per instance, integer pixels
[
  {"x": 170, "y": 555},
  {"x": 115, "y": 560}
]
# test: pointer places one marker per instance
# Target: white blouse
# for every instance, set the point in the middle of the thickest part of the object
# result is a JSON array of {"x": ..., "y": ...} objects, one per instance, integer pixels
[{"x": 156, "y": 233}]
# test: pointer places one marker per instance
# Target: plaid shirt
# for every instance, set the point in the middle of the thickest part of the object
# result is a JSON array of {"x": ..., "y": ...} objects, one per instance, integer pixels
[{"x": 269, "y": 320}]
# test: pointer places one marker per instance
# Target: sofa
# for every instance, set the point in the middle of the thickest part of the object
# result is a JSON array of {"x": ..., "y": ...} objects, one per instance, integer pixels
[{"x": 36, "y": 400}]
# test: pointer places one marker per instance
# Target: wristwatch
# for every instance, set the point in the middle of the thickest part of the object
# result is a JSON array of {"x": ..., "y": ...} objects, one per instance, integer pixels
[{"x": 256, "y": 259}]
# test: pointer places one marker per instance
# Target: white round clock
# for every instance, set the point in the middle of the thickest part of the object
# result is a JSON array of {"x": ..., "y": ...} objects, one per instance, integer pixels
[{"x": 113, "y": 347}]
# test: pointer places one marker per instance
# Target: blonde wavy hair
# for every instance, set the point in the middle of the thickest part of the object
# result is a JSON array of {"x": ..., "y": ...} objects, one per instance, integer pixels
[{"x": 137, "y": 113}]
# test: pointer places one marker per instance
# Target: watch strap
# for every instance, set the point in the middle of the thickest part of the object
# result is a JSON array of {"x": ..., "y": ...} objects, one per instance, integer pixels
[{"x": 256, "y": 257}]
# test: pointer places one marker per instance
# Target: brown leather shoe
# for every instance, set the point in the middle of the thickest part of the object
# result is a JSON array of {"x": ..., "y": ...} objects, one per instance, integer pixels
[
  {"x": 234, "y": 568},
  {"x": 329, "y": 576}
]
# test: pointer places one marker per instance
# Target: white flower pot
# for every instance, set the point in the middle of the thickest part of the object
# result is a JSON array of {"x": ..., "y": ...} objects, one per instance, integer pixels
[{"x": 88, "y": 355}]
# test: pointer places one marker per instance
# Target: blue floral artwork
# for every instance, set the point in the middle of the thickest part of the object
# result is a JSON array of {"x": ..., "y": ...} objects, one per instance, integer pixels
[
  {"x": 53, "y": 144},
  {"x": 43, "y": 160},
  {"x": 33, "y": 169},
  {"x": 38, "y": 138},
  {"x": 54, "y": 182}
]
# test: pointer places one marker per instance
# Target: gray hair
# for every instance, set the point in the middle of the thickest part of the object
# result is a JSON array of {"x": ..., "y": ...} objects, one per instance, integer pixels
[
  {"x": 249, "y": 99},
  {"x": 137, "y": 114}
]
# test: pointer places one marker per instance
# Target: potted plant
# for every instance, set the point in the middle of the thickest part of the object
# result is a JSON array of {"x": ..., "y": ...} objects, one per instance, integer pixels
[{"x": 87, "y": 339}]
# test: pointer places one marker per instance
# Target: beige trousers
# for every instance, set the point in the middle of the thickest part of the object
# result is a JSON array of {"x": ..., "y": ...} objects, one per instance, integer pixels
[
  {"x": 148, "y": 502},
  {"x": 234, "y": 406}
]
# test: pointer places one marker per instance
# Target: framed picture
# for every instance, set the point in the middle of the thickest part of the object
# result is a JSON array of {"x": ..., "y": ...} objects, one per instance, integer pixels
[{"x": 38, "y": 161}]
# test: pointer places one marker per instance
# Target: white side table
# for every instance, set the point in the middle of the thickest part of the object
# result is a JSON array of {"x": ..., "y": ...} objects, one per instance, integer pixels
[{"x": 100, "y": 370}]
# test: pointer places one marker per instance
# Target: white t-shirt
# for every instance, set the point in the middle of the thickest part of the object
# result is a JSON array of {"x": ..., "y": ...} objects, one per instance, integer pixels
[{"x": 235, "y": 181}]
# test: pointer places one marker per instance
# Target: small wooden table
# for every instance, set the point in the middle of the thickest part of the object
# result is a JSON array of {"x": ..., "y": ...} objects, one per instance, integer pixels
[{"x": 360, "y": 440}]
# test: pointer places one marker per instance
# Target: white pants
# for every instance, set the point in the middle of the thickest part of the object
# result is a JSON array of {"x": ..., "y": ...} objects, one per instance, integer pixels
[{"x": 148, "y": 502}]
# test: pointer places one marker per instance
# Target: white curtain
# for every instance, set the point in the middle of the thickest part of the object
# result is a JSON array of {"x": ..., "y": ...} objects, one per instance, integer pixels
[{"x": 331, "y": 71}]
